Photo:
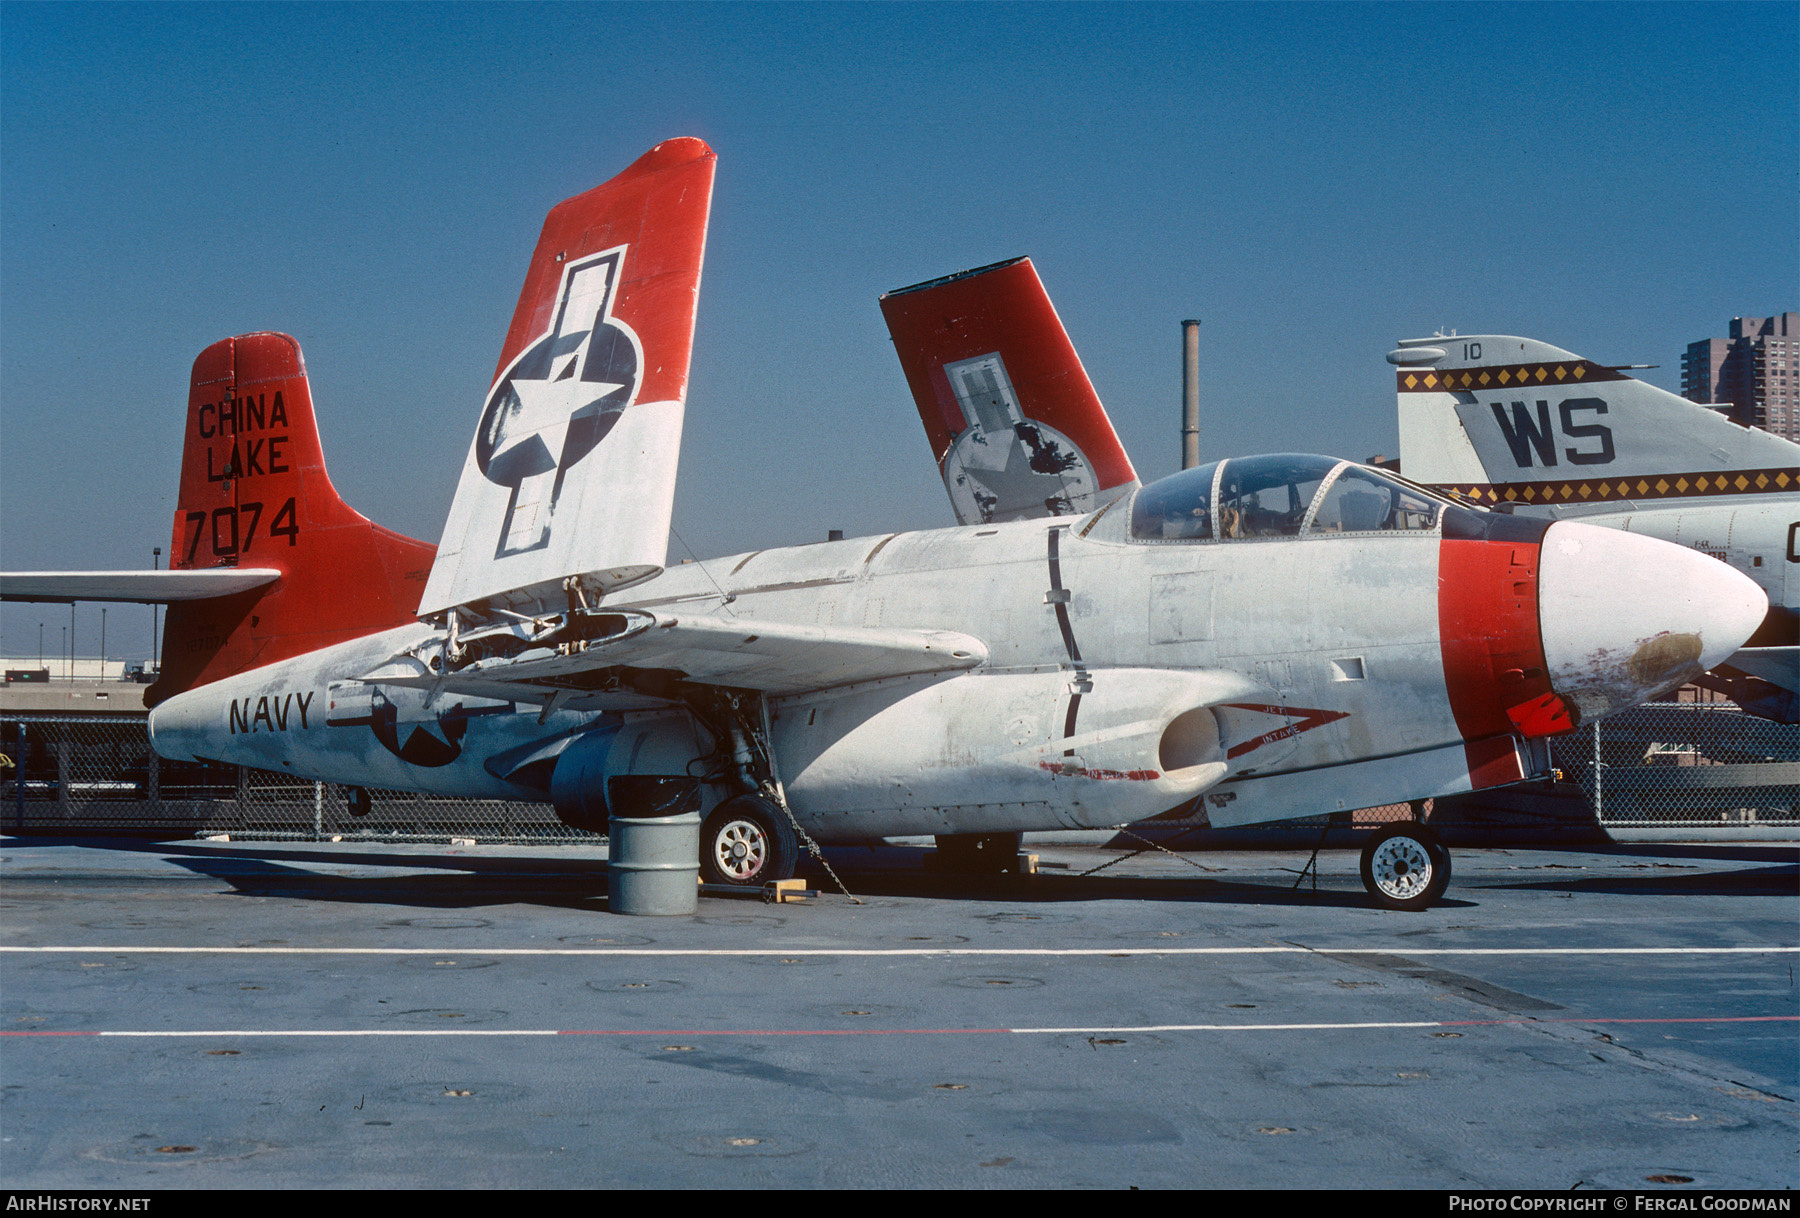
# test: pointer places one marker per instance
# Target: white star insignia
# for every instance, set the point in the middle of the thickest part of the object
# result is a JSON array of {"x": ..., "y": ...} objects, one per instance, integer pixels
[{"x": 546, "y": 409}]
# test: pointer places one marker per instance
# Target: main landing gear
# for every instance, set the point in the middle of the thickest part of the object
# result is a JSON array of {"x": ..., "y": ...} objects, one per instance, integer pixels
[
  {"x": 747, "y": 841},
  {"x": 1404, "y": 866}
]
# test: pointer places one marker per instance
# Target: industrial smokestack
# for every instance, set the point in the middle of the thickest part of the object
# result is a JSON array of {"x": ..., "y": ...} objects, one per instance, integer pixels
[{"x": 1190, "y": 393}]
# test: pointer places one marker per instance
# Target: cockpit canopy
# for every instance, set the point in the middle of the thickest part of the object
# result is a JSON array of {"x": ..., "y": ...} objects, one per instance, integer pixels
[{"x": 1278, "y": 495}]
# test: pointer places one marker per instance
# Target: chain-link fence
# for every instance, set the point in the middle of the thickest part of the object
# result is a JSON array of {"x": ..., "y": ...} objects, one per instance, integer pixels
[
  {"x": 1664, "y": 765},
  {"x": 1684, "y": 765},
  {"x": 89, "y": 773}
]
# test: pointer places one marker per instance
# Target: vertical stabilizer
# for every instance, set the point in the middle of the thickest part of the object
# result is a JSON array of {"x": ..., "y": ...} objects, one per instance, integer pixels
[
  {"x": 1014, "y": 423},
  {"x": 254, "y": 492},
  {"x": 1509, "y": 419},
  {"x": 572, "y": 470}
]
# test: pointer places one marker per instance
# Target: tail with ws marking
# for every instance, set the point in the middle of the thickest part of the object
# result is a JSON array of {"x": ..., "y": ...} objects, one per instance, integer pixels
[{"x": 1503, "y": 419}]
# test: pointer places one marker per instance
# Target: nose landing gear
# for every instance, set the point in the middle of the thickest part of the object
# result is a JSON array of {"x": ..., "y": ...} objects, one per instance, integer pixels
[{"x": 1404, "y": 866}]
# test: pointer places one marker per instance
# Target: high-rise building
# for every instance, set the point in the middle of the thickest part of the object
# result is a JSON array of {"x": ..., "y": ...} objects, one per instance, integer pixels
[{"x": 1756, "y": 371}]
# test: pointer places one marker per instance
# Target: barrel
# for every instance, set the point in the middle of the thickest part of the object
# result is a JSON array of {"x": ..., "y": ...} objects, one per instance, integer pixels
[{"x": 653, "y": 864}]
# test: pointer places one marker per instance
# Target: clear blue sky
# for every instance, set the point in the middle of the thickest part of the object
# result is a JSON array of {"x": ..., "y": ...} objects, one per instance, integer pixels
[{"x": 1314, "y": 181}]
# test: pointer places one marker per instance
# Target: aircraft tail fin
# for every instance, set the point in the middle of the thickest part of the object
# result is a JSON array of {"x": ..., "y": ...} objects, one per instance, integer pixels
[
  {"x": 1502, "y": 418},
  {"x": 1014, "y": 423},
  {"x": 571, "y": 475},
  {"x": 254, "y": 494}
]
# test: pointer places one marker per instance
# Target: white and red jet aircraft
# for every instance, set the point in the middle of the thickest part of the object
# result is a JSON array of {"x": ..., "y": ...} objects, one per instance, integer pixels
[{"x": 1274, "y": 636}]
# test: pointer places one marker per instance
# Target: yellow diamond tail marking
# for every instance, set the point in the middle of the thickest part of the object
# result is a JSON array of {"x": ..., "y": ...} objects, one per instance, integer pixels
[
  {"x": 1662, "y": 486},
  {"x": 1561, "y": 372},
  {"x": 1605, "y": 489},
  {"x": 1584, "y": 490},
  {"x": 1580, "y": 371},
  {"x": 1781, "y": 479},
  {"x": 1505, "y": 375},
  {"x": 1742, "y": 482},
  {"x": 1411, "y": 380},
  {"x": 1484, "y": 377},
  {"x": 1700, "y": 483},
  {"x": 1430, "y": 379},
  {"x": 1681, "y": 484},
  {"x": 1762, "y": 481},
  {"x": 1541, "y": 374},
  {"x": 1642, "y": 486}
]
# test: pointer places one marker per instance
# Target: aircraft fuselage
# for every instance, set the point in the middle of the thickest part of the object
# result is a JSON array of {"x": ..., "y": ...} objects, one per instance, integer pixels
[{"x": 1357, "y": 668}]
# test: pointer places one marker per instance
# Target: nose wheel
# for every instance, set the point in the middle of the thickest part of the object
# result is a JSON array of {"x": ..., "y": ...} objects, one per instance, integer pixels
[{"x": 1404, "y": 866}]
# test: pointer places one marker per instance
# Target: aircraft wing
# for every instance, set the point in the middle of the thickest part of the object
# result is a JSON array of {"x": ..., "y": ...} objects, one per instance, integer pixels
[
  {"x": 606, "y": 667},
  {"x": 134, "y": 587}
]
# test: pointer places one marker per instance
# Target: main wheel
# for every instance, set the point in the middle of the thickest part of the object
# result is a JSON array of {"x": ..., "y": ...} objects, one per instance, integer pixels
[
  {"x": 747, "y": 840},
  {"x": 980, "y": 853},
  {"x": 1404, "y": 866}
]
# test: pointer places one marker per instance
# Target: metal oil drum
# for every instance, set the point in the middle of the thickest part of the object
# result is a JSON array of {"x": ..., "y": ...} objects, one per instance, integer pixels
[{"x": 653, "y": 864}]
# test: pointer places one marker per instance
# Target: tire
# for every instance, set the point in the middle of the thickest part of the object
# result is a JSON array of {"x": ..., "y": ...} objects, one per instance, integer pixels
[
  {"x": 1405, "y": 867},
  {"x": 747, "y": 840},
  {"x": 979, "y": 853}
]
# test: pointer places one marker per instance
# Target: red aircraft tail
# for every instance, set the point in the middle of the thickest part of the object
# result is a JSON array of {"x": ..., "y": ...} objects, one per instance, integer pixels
[
  {"x": 254, "y": 491},
  {"x": 1013, "y": 420}
]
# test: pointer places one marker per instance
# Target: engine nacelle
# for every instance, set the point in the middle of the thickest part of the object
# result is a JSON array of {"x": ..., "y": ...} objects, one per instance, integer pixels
[
  {"x": 646, "y": 766},
  {"x": 993, "y": 752}
]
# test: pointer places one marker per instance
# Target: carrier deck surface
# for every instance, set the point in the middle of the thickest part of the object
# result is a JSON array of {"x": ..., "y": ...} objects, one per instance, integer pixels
[{"x": 210, "y": 1014}]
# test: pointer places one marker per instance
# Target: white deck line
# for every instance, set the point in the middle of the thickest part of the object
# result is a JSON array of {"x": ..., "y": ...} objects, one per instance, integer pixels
[
  {"x": 667, "y": 1033},
  {"x": 751, "y": 952}
]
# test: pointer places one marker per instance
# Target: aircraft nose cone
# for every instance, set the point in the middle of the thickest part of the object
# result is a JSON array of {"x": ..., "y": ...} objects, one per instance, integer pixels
[{"x": 1625, "y": 617}]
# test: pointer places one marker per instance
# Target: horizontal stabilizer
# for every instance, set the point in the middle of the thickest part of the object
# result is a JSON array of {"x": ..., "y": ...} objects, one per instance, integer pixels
[
  {"x": 1014, "y": 423},
  {"x": 133, "y": 587},
  {"x": 769, "y": 657},
  {"x": 572, "y": 471}
]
